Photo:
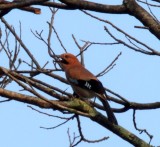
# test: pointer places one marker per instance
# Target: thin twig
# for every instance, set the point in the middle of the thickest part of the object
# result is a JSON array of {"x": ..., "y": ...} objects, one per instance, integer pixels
[
  {"x": 111, "y": 65},
  {"x": 82, "y": 138},
  {"x": 5, "y": 100},
  {"x": 20, "y": 41},
  {"x": 148, "y": 3},
  {"x": 152, "y": 51},
  {"x": 60, "y": 41},
  {"x": 50, "y": 115},
  {"x": 141, "y": 130},
  {"x": 100, "y": 43},
  {"x": 48, "y": 128}
]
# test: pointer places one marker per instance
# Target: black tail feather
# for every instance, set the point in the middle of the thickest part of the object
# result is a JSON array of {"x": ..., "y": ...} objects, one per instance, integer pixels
[{"x": 111, "y": 116}]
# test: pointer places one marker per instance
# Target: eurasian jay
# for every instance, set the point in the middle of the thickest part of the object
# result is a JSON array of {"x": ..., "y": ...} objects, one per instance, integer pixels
[{"x": 84, "y": 83}]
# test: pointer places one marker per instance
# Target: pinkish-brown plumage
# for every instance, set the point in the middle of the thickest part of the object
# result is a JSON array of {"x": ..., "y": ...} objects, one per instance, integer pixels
[{"x": 84, "y": 83}]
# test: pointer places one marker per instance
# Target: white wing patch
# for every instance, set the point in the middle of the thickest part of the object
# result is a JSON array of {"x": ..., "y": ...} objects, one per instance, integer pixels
[
  {"x": 81, "y": 83},
  {"x": 88, "y": 85}
]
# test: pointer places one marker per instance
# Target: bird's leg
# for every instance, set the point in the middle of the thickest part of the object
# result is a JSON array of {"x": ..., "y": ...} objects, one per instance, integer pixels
[{"x": 75, "y": 95}]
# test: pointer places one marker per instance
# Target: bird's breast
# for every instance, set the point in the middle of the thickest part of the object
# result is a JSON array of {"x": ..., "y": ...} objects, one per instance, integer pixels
[{"x": 83, "y": 93}]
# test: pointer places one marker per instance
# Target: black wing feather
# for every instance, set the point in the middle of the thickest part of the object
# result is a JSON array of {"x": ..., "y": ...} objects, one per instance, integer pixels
[
  {"x": 93, "y": 85},
  {"x": 97, "y": 87}
]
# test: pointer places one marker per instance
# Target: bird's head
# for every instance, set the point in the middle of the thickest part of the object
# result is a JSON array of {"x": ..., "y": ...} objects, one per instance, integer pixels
[{"x": 67, "y": 60}]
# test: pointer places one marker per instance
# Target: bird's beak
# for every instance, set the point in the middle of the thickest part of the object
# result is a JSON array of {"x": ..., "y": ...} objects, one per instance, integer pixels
[{"x": 58, "y": 58}]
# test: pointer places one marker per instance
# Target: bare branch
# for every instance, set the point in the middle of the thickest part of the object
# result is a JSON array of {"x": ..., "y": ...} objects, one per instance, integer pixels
[
  {"x": 5, "y": 100},
  {"x": 82, "y": 138},
  {"x": 4, "y": 5},
  {"x": 87, "y": 5},
  {"x": 59, "y": 39},
  {"x": 141, "y": 14},
  {"x": 153, "y": 52},
  {"x": 148, "y": 3},
  {"x": 68, "y": 119},
  {"x": 20, "y": 41},
  {"x": 141, "y": 130},
  {"x": 109, "y": 67},
  {"x": 50, "y": 115},
  {"x": 82, "y": 49}
]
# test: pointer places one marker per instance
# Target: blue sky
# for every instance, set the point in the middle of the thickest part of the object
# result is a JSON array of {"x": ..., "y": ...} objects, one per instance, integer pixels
[{"x": 135, "y": 77}]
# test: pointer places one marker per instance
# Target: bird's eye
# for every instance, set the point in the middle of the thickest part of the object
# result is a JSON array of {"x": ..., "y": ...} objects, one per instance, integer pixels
[
  {"x": 66, "y": 56},
  {"x": 64, "y": 61}
]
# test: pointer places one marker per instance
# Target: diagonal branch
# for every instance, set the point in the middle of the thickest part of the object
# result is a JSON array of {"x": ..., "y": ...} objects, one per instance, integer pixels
[
  {"x": 20, "y": 4},
  {"x": 21, "y": 43},
  {"x": 78, "y": 107},
  {"x": 86, "y": 5},
  {"x": 141, "y": 14},
  {"x": 75, "y": 106}
]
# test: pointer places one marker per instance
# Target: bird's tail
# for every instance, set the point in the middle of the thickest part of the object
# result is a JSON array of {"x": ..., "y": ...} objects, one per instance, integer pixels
[{"x": 111, "y": 116}]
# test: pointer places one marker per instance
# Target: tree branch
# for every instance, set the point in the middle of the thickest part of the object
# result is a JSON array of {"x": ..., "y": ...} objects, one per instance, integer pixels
[
  {"x": 86, "y": 5},
  {"x": 142, "y": 15},
  {"x": 20, "y": 4},
  {"x": 79, "y": 107}
]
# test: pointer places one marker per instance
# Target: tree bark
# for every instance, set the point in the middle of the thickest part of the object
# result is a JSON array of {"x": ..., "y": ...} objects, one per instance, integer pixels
[{"x": 79, "y": 107}]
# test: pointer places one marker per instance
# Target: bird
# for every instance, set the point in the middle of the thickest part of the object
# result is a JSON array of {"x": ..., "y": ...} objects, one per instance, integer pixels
[{"x": 84, "y": 83}]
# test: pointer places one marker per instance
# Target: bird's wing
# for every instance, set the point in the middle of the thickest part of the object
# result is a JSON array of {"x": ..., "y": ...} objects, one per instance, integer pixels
[
  {"x": 97, "y": 87},
  {"x": 92, "y": 84}
]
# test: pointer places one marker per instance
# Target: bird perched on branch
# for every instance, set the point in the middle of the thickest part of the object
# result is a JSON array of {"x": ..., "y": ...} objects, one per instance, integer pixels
[{"x": 84, "y": 83}]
